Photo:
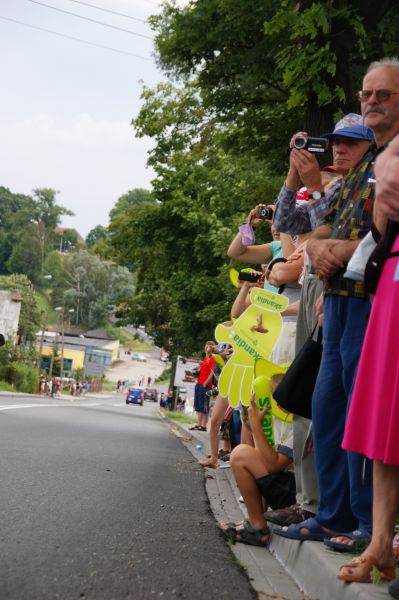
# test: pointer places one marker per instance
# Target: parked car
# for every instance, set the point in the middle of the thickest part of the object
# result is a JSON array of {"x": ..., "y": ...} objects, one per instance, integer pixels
[
  {"x": 135, "y": 395},
  {"x": 151, "y": 394},
  {"x": 138, "y": 356}
]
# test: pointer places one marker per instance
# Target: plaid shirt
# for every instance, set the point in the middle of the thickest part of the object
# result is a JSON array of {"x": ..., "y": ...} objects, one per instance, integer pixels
[
  {"x": 351, "y": 218},
  {"x": 293, "y": 219}
]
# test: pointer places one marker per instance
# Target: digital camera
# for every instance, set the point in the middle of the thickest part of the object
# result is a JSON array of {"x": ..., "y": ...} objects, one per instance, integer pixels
[
  {"x": 251, "y": 277},
  {"x": 311, "y": 144},
  {"x": 265, "y": 213}
]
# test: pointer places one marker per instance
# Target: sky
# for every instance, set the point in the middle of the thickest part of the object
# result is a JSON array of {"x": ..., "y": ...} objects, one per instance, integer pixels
[{"x": 66, "y": 107}]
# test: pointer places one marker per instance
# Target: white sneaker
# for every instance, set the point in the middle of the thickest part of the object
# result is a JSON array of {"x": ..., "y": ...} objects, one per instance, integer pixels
[{"x": 241, "y": 499}]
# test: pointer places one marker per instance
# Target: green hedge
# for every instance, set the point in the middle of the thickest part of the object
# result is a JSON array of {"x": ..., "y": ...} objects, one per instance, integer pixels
[{"x": 22, "y": 377}]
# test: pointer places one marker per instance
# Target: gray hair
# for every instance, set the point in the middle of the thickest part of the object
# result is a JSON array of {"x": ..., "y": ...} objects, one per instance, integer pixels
[{"x": 384, "y": 62}]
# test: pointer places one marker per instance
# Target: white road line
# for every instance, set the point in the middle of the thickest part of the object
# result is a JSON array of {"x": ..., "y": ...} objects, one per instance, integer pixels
[{"x": 17, "y": 406}]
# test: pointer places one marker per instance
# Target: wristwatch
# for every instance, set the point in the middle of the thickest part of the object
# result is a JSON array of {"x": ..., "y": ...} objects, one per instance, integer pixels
[{"x": 316, "y": 195}]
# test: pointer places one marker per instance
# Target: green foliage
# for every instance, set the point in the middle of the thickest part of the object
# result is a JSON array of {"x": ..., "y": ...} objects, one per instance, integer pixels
[
  {"x": 22, "y": 377},
  {"x": 131, "y": 198},
  {"x": 88, "y": 285},
  {"x": 164, "y": 376},
  {"x": 95, "y": 235},
  {"x": 242, "y": 77},
  {"x": 27, "y": 225}
]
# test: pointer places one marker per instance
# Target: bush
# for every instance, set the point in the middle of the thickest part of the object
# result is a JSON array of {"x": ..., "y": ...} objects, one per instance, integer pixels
[
  {"x": 22, "y": 377},
  {"x": 165, "y": 375}
]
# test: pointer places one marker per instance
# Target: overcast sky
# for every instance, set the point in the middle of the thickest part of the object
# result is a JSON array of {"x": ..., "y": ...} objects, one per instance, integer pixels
[{"x": 66, "y": 107}]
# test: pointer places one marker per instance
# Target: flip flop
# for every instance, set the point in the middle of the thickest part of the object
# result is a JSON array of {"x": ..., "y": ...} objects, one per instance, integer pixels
[
  {"x": 360, "y": 541},
  {"x": 363, "y": 569},
  {"x": 316, "y": 531}
]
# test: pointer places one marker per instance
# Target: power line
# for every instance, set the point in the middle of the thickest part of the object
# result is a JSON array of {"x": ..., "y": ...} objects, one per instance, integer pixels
[
  {"x": 67, "y": 12},
  {"x": 113, "y": 12},
  {"x": 70, "y": 37}
]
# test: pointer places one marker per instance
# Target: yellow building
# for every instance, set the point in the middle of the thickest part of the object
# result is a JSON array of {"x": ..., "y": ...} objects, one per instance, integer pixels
[{"x": 91, "y": 354}]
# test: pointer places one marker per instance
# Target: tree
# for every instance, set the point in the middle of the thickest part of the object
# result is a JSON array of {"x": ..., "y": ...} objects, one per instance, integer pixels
[
  {"x": 245, "y": 76},
  {"x": 27, "y": 230},
  {"x": 131, "y": 198},
  {"x": 274, "y": 66},
  {"x": 99, "y": 232},
  {"x": 88, "y": 284}
]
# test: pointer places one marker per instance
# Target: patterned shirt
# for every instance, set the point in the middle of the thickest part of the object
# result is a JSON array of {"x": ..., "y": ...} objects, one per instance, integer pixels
[
  {"x": 351, "y": 218},
  {"x": 295, "y": 219}
]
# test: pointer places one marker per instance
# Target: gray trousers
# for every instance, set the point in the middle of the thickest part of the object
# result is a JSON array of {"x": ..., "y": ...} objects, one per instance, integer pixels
[{"x": 307, "y": 488}]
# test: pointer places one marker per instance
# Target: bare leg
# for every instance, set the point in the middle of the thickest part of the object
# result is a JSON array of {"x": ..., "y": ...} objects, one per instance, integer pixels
[
  {"x": 217, "y": 418},
  {"x": 248, "y": 465},
  {"x": 385, "y": 510}
]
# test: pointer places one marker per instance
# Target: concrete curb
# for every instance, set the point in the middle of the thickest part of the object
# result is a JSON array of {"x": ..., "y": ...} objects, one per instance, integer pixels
[
  {"x": 289, "y": 569},
  {"x": 267, "y": 576}
]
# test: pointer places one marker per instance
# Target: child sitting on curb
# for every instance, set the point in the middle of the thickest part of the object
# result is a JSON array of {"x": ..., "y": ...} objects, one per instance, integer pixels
[{"x": 262, "y": 477}]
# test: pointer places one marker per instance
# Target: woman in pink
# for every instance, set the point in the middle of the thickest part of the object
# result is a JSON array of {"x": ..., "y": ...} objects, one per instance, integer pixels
[{"x": 373, "y": 418}]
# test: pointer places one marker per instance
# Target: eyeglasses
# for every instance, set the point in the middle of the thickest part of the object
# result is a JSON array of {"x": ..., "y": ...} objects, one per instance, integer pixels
[{"x": 381, "y": 95}]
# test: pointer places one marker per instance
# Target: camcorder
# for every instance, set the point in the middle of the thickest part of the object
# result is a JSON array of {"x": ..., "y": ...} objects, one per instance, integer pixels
[
  {"x": 311, "y": 144},
  {"x": 265, "y": 212},
  {"x": 251, "y": 277}
]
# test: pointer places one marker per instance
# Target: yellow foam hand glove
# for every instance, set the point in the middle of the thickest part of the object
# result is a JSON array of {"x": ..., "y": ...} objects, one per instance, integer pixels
[{"x": 253, "y": 336}]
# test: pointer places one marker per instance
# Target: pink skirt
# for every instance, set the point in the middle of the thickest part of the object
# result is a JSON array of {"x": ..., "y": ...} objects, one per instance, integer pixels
[{"x": 372, "y": 426}]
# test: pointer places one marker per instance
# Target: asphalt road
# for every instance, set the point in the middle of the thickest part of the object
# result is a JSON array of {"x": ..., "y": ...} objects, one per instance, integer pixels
[{"x": 100, "y": 501}]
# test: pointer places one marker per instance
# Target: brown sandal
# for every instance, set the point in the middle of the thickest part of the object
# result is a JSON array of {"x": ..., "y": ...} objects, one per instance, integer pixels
[{"x": 366, "y": 571}]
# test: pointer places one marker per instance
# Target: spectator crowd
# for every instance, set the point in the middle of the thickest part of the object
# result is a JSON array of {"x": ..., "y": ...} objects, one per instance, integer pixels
[{"x": 335, "y": 257}]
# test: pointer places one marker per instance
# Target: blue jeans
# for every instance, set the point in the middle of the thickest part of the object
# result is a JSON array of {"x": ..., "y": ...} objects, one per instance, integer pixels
[{"x": 345, "y": 478}]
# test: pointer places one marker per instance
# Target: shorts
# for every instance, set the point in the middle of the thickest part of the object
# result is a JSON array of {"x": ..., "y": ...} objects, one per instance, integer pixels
[
  {"x": 278, "y": 489},
  {"x": 201, "y": 400}
]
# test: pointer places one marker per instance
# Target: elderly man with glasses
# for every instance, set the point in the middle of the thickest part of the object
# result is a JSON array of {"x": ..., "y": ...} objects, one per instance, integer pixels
[{"x": 345, "y": 478}]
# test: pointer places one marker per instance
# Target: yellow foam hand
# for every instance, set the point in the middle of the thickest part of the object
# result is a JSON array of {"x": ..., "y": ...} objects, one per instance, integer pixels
[{"x": 253, "y": 336}]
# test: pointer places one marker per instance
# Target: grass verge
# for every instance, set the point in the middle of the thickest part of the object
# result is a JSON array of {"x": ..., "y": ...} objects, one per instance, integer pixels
[{"x": 180, "y": 417}]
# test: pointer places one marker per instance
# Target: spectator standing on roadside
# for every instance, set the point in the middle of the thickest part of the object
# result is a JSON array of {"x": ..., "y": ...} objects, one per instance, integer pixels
[
  {"x": 204, "y": 384},
  {"x": 350, "y": 140},
  {"x": 345, "y": 496}
]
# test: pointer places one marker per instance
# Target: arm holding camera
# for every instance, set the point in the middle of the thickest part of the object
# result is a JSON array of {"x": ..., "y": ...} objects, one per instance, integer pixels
[{"x": 250, "y": 253}]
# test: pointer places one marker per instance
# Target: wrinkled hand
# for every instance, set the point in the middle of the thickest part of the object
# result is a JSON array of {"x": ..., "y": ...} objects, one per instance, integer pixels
[
  {"x": 308, "y": 168},
  {"x": 324, "y": 261},
  {"x": 256, "y": 415}
]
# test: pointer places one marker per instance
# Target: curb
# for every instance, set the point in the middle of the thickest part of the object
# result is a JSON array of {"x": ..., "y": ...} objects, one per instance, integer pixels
[{"x": 266, "y": 574}]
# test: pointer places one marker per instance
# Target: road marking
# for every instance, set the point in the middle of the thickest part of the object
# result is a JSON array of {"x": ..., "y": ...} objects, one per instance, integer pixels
[
  {"x": 70, "y": 404},
  {"x": 16, "y": 406}
]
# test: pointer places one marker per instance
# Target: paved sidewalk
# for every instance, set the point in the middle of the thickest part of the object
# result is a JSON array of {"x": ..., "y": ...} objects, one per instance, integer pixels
[{"x": 289, "y": 570}]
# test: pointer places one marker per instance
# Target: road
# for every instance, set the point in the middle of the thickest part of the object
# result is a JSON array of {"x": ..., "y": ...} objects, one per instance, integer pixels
[{"x": 100, "y": 501}]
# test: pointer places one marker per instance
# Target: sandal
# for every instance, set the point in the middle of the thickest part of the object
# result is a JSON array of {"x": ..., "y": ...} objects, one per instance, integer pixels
[
  {"x": 360, "y": 541},
  {"x": 194, "y": 427},
  {"x": 366, "y": 571},
  {"x": 251, "y": 535},
  {"x": 306, "y": 530}
]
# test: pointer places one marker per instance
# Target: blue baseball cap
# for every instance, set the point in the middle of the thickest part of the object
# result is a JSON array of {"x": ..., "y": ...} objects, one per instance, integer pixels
[{"x": 352, "y": 126}]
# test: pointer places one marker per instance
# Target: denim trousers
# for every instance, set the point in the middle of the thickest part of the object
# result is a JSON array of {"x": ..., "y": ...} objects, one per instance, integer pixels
[{"x": 345, "y": 478}]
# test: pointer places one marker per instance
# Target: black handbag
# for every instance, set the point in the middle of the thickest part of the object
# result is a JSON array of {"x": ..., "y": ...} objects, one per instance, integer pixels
[
  {"x": 294, "y": 392},
  {"x": 380, "y": 254}
]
